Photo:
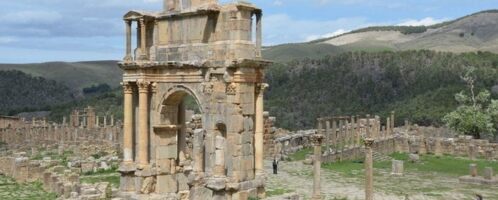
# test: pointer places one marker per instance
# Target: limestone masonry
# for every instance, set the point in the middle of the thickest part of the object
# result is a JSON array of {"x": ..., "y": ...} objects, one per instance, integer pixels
[{"x": 204, "y": 50}]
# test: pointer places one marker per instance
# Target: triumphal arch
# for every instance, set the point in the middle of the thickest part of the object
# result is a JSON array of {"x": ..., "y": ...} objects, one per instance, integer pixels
[{"x": 212, "y": 53}]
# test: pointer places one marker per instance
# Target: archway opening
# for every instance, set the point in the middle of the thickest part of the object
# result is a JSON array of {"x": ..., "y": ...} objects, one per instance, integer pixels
[{"x": 177, "y": 115}]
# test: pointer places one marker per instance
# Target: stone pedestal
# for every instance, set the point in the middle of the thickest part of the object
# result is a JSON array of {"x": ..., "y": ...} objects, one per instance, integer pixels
[
  {"x": 473, "y": 170},
  {"x": 397, "y": 168},
  {"x": 488, "y": 173}
]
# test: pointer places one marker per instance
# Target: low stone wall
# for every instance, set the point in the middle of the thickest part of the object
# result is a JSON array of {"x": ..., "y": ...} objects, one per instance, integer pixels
[
  {"x": 291, "y": 142},
  {"x": 383, "y": 146},
  {"x": 461, "y": 146}
]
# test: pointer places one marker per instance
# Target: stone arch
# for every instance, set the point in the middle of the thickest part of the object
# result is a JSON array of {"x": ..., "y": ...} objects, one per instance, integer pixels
[
  {"x": 176, "y": 93},
  {"x": 171, "y": 109}
]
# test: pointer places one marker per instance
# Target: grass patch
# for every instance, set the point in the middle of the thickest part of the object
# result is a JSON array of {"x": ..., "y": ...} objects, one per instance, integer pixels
[
  {"x": 448, "y": 165},
  {"x": 111, "y": 170},
  {"x": 277, "y": 192},
  {"x": 453, "y": 166},
  {"x": 11, "y": 190},
  {"x": 301, "y": 154},
  {"x": 113, "y": 179}
]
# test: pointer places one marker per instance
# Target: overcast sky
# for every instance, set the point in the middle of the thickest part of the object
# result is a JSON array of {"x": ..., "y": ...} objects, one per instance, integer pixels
[{"x": 78, "y": 30}]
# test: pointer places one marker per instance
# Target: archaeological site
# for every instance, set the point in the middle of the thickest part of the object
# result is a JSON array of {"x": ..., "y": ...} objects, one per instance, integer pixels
[{"x": 204, "y": 109}]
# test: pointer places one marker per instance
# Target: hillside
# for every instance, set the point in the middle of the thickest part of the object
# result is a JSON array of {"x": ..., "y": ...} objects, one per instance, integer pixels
[
  {"x": 76, "y": 76},
  {"x": 475, "y": 32},
  {"x": 21, "y": 92},
  {"x": 418, "y": 85}
]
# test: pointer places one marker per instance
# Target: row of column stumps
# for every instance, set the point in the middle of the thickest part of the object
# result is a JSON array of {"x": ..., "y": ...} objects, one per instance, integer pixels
[
  {"x": 345, "y": 132},
  {"x": 369, "y": 140}
]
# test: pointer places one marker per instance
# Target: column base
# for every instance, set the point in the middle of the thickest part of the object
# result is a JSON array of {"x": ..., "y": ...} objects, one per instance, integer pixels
[
  {"x": 143, "y": 57},
  {"x": 316, "y": 197},
  {"x": 128, "y": 58},
  {"x": 127, "y": 180}
]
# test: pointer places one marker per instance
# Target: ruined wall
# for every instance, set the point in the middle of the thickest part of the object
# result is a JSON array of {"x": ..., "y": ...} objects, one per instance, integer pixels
[
  {"x": 431, "y": 140},
  {"x": 10, "y": 122},
  {"x": 24, "y": 139},
  {"x": 62, "y": 181}
]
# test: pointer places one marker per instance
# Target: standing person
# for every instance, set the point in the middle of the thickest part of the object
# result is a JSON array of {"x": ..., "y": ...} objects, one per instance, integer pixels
[{"x": 275, "y": 166}]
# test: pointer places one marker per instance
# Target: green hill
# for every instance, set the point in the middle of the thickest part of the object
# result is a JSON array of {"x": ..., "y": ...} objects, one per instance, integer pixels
[
  {"x": 418, "y": 85},
  {"x": 76, "y": 76},
  {"x": 21, "y": 92}
]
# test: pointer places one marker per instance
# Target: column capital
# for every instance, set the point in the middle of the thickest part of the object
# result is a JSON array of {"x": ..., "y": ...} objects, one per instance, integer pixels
[
  {"x": 143, "y": 86},
  {"x": 261, "y": 87},
  {"x": 128, "y": 89},
  {"x": 153, "y": 87},
  {"x": 368, "y": 142},
  {"x": 317, "y": 139}
]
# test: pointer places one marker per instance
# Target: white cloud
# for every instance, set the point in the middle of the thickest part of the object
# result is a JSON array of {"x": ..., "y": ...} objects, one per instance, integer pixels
[
  {"x": 327, "y": 35},
  {"x": 278, "y": 3},
  {"x": 7, "y": 40},
  {"x": 30, "y": 16},
  {"x": 281, "y": 28},
  {"x": 422, "y": 22}
]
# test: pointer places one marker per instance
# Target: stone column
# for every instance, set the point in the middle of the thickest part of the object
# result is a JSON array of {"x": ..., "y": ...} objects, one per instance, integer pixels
[
  {"x": 334, "y": 135},
  {"x": 259, "y": 33},
  {"x": 327, "y": 135},
  {"x": 259, "y": 129},
  {"x": 128, "y": 56},
  {"x": 368, "y": 169},
  {"x": 143, "y": 37},
  {"x": 128, "y": 123},
  {"x": 182, "y": 138},
  {"x": 388, "y": 126},
  {"x": 392, "y": 122},
  {"x": 143, "y": 137},
  {"x": 317, "y": 157}
]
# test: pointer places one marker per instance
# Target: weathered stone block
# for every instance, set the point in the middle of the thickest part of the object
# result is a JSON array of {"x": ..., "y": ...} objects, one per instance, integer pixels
[
  {"x": 166, "y": 184},
  {"x": 197, "y": 193},
  {"x": 166, "y": 152},
  {"x": 182, "y": 182}
]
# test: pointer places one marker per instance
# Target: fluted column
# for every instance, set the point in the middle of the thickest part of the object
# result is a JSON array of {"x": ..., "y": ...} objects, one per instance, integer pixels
[
  {"x": 259, "y": 127},
  {"x": 392, "y": 122},
  {"x": 143, "y": 134},
  {"x": 368, "y": 169},
  {"x": 259, "y": 33},
  {"x": 128, "y": 123},
  {"x": 128, "y": 56},
  {"x": 143, "y": 36},
  {"x": 317, "y": 140}
]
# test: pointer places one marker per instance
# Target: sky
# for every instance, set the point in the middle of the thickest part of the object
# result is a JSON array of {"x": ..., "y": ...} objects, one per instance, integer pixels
[{"x": 79, "y": 30}]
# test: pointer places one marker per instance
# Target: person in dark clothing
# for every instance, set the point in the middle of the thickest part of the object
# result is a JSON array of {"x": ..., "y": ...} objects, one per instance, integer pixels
[{"x": 275, "y": 166}]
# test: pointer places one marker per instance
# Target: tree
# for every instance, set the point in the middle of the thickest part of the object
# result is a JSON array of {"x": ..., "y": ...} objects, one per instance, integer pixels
[{"x": 476, "y": 114}]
